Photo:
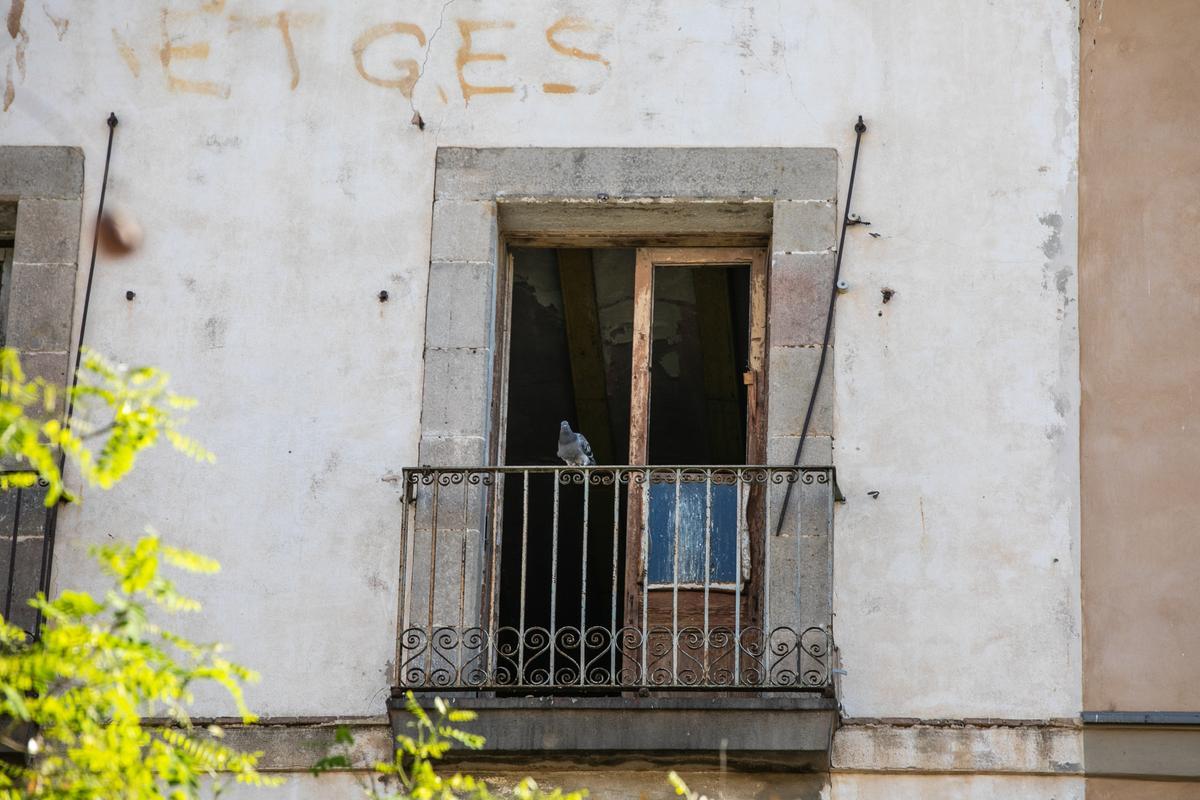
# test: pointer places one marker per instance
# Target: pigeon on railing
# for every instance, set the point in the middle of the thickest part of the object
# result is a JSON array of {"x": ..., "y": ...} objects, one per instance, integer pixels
[{"x": 573, "y": 448}]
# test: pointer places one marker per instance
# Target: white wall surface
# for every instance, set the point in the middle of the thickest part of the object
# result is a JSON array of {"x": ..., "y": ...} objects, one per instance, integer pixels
[{"x": 280, "y": 196}]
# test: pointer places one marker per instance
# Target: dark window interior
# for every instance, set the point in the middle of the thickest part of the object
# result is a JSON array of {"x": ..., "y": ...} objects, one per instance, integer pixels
[
  {"x": 8, "y": 227},
  {"x": 570, "y": 358}
]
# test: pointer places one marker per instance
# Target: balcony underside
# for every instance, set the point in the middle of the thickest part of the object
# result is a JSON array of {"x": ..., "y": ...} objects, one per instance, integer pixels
[{"x": 777, "y": 732}]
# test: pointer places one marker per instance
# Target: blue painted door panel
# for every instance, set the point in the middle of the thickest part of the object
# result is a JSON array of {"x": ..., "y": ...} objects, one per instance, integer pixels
[{"x": 723, "y": 549}]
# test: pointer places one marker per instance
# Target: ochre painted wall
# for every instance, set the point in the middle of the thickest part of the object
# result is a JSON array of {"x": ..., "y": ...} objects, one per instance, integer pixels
[
  {"x": 1119, "y": 789},
  {"x": 1139, "y": 305}
]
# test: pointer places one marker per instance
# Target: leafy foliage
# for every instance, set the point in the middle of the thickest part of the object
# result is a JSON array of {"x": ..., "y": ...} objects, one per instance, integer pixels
[
  {"x": 100, "y": 667},
  {"x": 411, "y": 775},
  {"x": 73, "y": 702},
  {"x": 128, "y": 409},
  {"x": 681, "y": 788}
]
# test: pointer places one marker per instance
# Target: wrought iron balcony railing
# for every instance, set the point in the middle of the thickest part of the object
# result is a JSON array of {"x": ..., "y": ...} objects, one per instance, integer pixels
[
  {"x": 26, "y": 548},
  {"x": 613, "y": 579}
]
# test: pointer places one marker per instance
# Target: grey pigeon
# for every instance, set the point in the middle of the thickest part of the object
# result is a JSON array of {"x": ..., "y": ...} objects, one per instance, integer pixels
[{"x": 573, "y": 448}]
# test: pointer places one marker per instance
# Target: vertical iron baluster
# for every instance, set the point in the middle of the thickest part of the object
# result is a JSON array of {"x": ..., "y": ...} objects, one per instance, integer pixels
[
  {"x": 402, "y": 584},
  {"x": 613, "y": 645},
  {"x": 708, "y": 475},
  {"x": 583, "y": 574},
  {"x": 766, "y": 576},
  {"x": 460, "y": 642},
  {"x": 675, "y": 585},
  {"x": 801, "y": 620},
  {"x": 645, "y": 571},
  {"x": 433, "y": 566},
  {"x": 493, "y": 621},
  {"x": 737, "y": 584},
  {"x": 827, "y": 527},
  {"x": 12, "y": 557},
  {"x": 554, "y": 574},
  {"x": 524, "y": 549},
  {"x": 405, "y": 577}
]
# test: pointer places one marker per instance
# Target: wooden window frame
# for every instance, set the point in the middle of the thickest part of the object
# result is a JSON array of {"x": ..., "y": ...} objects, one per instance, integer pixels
[
  {"x": 649, "y": 258},
  {"x": 755, "y": 377},
  {"x": 643, "y": 319}
]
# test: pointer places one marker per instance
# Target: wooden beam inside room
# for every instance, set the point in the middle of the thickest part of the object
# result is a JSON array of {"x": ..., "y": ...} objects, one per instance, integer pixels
[
  {"x": 723, "y": 413},
  {"x": 588, "y": 377}
]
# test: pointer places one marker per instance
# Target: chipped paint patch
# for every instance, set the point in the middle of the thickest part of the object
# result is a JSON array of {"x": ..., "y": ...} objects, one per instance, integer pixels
[
  {"x": 1061, "y": 278},
  {"x": 1053, "y": 244}
]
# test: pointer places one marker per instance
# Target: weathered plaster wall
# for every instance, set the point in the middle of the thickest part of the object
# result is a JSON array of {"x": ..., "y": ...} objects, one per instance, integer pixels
[
  {"x": 651, "y": 784},
  {"x": 270, "y": 156},
  {"x": 1140, "y": 321}
]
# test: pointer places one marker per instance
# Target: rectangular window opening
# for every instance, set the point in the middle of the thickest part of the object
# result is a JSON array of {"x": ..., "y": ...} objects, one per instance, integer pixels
[{"x": 655, "y": 356}]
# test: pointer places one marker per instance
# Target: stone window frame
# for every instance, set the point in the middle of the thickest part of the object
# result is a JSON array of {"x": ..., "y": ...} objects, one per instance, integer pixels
[
  {"x": 38, "y": 304},
  {"x": 39, "y": 296},
  {"x": 487, "y": 199}
]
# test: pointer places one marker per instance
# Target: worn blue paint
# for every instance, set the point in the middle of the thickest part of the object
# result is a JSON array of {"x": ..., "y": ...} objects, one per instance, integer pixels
[{"x": 723, "y": 541}]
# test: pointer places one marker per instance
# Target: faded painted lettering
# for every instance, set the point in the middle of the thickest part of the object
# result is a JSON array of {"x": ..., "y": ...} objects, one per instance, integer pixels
[
  {"x": 127, "y": 54},
  {"x": 379, "y": 52},
  {"x": 553, "y": 38},
  {"x": 408, "y": 66},
  {"x": 467, "y": 27},
  {"x": 170, "y": 52},
  {"x": 283, "y": 22}
]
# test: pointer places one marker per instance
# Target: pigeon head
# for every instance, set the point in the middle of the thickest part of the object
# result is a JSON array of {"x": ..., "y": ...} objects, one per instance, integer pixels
[{"x": 564, "y": 430}]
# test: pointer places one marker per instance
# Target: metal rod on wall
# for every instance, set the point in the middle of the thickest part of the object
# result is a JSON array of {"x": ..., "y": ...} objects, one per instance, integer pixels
[
  {"x": 52, "y": 516},
  {"x": 860, "y": 128}
]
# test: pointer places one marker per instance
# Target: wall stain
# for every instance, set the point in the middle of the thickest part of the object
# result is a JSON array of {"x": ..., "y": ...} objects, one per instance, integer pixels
[
  {"x": 317, "y": 481},
  {"x": 924, "y": 531},
  {"x": 19, "y": 56},
  {"x": 17, "y": 32},
  {"x": 1061, "y": 278},
  {"x": 60, "y": 23},
  {"x": 215, "y": 329},
  {"x": 1062, "y": 404},
  {"x": 1053, "y": 244},
  {"x": 220, "y": 143},
  {"x": 127, "y": 54},
  {"x": 15, "y": 10},
  {"x": 345, "y": 181}
]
